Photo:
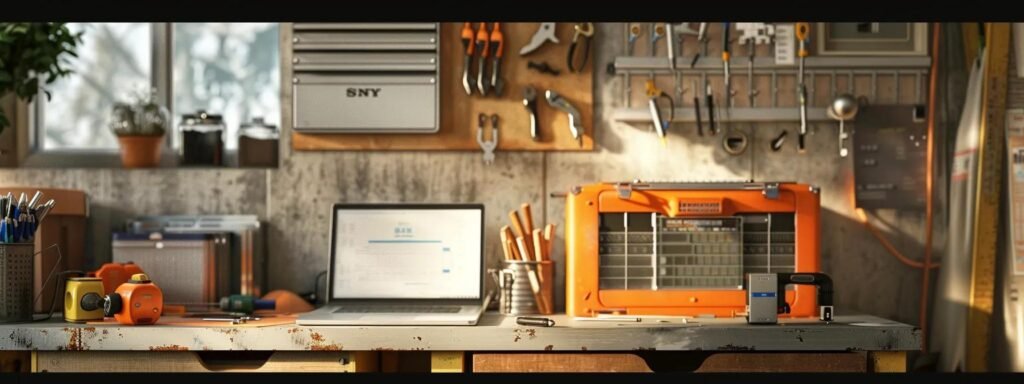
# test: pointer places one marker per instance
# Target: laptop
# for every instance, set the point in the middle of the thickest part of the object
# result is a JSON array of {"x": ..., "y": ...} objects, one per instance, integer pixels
[{"x": 404, "y": 264}]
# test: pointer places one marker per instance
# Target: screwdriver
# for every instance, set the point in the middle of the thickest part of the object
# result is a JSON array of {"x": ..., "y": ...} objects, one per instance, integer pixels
[{"x": 802, "y": 33}]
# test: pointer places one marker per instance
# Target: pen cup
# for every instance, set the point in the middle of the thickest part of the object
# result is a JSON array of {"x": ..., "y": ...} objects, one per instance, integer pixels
[
  {"x": 516, "y": 290},
  {"x": 17, "y": 262}
]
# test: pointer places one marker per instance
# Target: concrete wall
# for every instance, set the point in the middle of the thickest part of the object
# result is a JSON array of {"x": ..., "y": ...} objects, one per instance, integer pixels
[{"x": 295, "y": 198}]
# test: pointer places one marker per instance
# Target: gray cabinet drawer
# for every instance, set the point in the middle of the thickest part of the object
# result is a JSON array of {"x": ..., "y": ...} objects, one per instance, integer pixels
[
  {"x": 365, "y": 104},
  {"x": 364, "y": 61},
  {"x": 364, "y": 40}
]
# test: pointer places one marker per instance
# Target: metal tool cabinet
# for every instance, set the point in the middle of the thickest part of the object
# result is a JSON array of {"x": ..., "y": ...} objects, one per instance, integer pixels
[{"x": 366, "y": 77}]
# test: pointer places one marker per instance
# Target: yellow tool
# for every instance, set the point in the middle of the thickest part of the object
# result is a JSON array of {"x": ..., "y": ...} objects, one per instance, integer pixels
[
  {"x": 987, "y": 206},
  {"x": 660, "y": 125},
  {"x": 803, "y": 31},
  {"x": 83, "y": 299}
]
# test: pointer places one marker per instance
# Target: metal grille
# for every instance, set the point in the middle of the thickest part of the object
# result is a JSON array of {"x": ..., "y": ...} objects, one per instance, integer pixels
[{"x": 692, "y": 253}]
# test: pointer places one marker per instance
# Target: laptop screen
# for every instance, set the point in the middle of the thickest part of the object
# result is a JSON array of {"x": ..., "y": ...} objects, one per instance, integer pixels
[{"x": 415, "y": 252}]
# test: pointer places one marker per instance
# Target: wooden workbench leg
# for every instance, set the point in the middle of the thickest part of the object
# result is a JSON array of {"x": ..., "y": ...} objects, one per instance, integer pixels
[
  {"x": 891, "y": 361},
  {"x": 445, "y": 361}
]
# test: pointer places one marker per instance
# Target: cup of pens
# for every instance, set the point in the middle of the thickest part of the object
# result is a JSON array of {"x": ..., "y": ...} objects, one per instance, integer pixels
[{"x": 526, "y": 280}]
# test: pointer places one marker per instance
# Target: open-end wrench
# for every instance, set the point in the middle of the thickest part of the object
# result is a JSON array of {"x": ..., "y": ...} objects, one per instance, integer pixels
[
  {"x": 483, "y": 43},
  {"x": 530, "y": 102},
  {"x": 545, "y": 33},
  {"x": 575, "y": 121},
  {"x": 467, "y": 42},
  {"x": 497, "y": 41}
]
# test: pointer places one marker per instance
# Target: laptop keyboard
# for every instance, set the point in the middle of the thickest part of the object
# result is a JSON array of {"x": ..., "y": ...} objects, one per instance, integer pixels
[{"x": 398, "y": 309}]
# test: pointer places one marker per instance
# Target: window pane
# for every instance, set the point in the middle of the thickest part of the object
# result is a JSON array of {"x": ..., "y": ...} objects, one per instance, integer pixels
[
  {"x": 113, "y": 63},
  {"x": 230, "y": 69}
]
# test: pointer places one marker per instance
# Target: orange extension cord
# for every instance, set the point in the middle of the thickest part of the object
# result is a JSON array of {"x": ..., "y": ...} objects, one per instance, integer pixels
[{"x": 926, "y": 265}]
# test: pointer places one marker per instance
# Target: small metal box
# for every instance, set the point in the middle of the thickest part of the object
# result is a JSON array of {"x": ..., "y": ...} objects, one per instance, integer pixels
[{"x": 762, "y": 300}]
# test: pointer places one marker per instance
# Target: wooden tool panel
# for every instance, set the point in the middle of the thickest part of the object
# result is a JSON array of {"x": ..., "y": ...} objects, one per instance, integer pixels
[{"x": 459, "y": 111}]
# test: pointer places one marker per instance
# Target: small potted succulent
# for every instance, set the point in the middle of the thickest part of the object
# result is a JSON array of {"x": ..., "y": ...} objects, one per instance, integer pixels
[{"x": 140, "y": 129}]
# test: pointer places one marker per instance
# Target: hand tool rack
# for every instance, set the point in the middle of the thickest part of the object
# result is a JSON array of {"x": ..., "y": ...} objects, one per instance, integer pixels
[{"x": 710, "y": 65}]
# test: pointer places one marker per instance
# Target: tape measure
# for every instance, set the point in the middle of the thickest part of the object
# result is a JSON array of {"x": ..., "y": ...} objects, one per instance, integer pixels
[{"x": 992, "y": 141}]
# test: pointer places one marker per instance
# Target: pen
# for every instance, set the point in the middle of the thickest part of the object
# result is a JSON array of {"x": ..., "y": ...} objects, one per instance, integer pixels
[{"x": 535, "y": 321}]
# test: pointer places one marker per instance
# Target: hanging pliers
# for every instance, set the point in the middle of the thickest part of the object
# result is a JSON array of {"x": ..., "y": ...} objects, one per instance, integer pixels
[
  {"x": 586, "y": 31},
  {"x": 497, "y": 41},
  {"x": 482, "y": 46},
  {"x": 660, "y": 125},
  {"x": 469, "y": 45}
]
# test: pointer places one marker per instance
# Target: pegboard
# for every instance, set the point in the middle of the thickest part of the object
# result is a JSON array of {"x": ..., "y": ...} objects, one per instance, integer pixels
[{"x": 459, "y": 111}]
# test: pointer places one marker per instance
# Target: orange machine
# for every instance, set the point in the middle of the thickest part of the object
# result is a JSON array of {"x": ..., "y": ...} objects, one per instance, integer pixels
[
  {"x": 136, "y": 302},
  {"x": 685, "y": 248}
]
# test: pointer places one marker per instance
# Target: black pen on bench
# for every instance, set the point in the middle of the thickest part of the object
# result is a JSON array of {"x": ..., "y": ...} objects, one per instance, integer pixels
[{"x": 535, "y": 321}]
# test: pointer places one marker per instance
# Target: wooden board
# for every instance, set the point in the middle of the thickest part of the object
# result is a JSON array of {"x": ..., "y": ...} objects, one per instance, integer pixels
[
  {"x": 459, "y": 111},
  {"x": 986, "y": 244},
  {"x": 629, "y": 362}
]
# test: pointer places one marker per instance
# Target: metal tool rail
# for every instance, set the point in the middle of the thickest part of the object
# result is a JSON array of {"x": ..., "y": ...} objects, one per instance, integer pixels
[{"x": 877, "y": 68}]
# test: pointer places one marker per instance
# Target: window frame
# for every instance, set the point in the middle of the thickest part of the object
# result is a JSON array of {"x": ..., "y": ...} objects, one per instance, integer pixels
[{"x": 161, "y": 78}]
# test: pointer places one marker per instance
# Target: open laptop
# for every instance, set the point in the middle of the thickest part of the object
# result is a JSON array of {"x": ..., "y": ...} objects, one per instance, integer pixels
[{"x": 404, "y": 264}]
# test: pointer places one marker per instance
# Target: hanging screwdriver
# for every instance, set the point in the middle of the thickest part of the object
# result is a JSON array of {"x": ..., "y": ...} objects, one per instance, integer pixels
[
  {"x": 696, "y": 110},
  {"x": 725, "y": 64},
  {"x": 803, "y": 31},
  {"x": 702, "y": 37},
  {"x": 709, "y": 99}
]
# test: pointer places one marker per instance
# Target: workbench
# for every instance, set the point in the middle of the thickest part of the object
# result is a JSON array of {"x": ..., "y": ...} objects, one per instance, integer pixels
[{"x": 850, "y": 343}]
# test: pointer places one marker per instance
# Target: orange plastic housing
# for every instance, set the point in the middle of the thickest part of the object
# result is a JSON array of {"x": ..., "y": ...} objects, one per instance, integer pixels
[
  {"x": 584, "y": 298},
  {"x": 142, "y": 303}
]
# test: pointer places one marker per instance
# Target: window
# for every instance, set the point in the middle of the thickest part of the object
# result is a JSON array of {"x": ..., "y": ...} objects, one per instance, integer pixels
[
  {"x": 113, "y": 60},
  {"x": 231, "y": 69}
]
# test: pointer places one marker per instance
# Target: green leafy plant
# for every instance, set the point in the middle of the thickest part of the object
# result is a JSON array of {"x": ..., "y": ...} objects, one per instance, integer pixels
[{"x": 30, "y": 53}]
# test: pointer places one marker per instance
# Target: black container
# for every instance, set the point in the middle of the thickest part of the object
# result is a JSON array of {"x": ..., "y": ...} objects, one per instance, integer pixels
[
  {"x": 202, "y": 139},
  {"x": 257, "y": 144}
]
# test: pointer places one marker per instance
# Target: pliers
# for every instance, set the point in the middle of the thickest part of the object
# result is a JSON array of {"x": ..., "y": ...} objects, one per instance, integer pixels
[
  {"x": 586, "y": 31},
  {"x": 483, "y": 42},
  {"x": 469, "y": 44},
  {"x": 497, "y": 42}
]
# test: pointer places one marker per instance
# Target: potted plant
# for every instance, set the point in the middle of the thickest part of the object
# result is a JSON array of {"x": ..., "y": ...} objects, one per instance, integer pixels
[
  {"x": 140, "y": 130},
  {"x": 31, "y": 53}
]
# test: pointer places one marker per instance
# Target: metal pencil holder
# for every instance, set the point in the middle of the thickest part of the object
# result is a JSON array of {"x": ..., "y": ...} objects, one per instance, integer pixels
[
  {"x": 17, "y": 263},
  {"x": 516, "y": 296}
]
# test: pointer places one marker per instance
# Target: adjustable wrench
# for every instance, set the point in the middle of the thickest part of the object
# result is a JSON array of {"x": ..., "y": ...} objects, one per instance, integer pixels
[
  {"x": 497, "y": 41},
  {"x": 482, "y": 46},
  {"x": 545, "y": 33},
  {"x": 467, "y": 42},
  {"x": 575, "y": 121},
  {"x": 530, "y": 102}
]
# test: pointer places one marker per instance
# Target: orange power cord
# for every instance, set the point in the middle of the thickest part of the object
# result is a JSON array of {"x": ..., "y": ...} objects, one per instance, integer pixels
[{"x": 926, "y": 265}]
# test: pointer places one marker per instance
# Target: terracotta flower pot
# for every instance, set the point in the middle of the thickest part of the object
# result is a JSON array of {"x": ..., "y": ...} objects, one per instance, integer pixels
[{"x": 140, "y": 151}]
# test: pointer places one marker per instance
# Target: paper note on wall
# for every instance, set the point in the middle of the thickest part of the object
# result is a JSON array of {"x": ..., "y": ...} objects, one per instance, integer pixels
[
  {"x": 785, "y": 44},
  {"x": 1015, "y": 157}
]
